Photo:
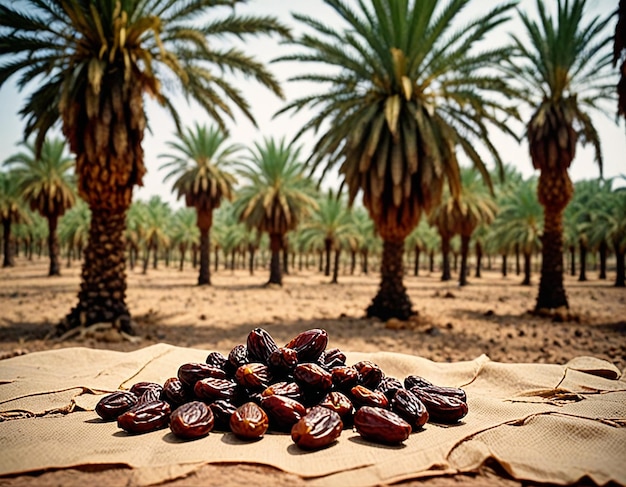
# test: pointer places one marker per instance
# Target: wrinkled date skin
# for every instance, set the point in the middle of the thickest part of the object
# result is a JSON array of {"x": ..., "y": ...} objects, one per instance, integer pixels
[
  {"x": 249, "y": 422},
  {"x": 309, "y": 344},
  {"x": 145, "y": 417},
  {"x": 222, "y": 411},
  {"x": 388, "y": 386},
  {"x": 442, "y": 409},
  {"x": 283, "y": 412},
  {"x": 381, "y": 425},
  {"x": 333, "y": 358},
  {"x": 287, "y": 389},
  {"x": 340, "y": 403},
  {"x": 216, "y": 359},
  {"x": 191, "y": 420},
  {"x": 283, "y": 360},
  {"x": 260, "y": 345},
  {"x": 345, "y": 378},
  {"x": 238, "y": 356},
  {"x": 191, "y": 373},
  {"x": 312, "y": 377},
  {"x": 213, "y": 389},
  {"x": 446, "y": 391},
  {"x": 115, "y": 404},
  {"x": 411, "y": 381},
  {"x": 362, "y": 396},
  {"x": 140, "y": 388},
  {"x": 253, "y": 376},
  {"x": 409, "y": 407},
  {"x": 317, "y": 429},
  {"x": 370, "y": 374},
  {"x": 175, "y": 392}
]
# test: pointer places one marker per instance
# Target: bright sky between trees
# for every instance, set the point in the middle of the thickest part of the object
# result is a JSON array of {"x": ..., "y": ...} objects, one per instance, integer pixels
[{"x": 265, "y": 104}]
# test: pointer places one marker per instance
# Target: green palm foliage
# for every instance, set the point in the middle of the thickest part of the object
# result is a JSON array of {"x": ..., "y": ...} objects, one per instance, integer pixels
[
  {"x": 276, "y": 194},
  {"x": 47, "y": 184},
  {"x": 199, "y": 163},
  {"x": 519, "y": 223},
  {"x": 74, "y": 229},
  {"x": 185, "y": 233},
  {"x": 155, "y": 217},
  {"x": 562, "y": 66},
  {"x": 93, "y": 61},
  {"x": 12, "y": 211},
  {"x": 420, "y": 239},
  {"x": 406, "y": 89}
]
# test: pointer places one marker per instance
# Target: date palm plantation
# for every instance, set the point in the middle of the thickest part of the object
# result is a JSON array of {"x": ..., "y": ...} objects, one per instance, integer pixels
[
  {"x": 92, "y": 62},
  {"x": 563, "y": 67},
  {"x": 402, "y": 88},
  {"x": 47, "y": 185},
  {"x": 199, "y": 163},
  {"x": 12, "y": 211}
]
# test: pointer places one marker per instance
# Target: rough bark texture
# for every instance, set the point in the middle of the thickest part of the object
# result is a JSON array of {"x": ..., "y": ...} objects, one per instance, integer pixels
[
  {"x": 276, "y": 244},
  {"x": 103, "y": 288},
  {"x": 53, "y": 246},
  {"x": 204, "y": 221},
  {"x": 392, "y": 300}
]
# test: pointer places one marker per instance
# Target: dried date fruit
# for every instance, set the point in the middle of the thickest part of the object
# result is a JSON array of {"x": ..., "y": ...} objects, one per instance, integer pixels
[
  {"x": 249, "y": 422},
  {"x": 309, "y": 344},
  {"x": 370, "y": 374},
  {"x": 442, "y": 409},
  {"x": 213, "y": 389},
  {"x": 333, "y": 358},
  {"x": 191, "y": 420},
  {"x": 282, "y": 411},
  {"x": 253, "y": 376},
  {"x": 222, "y": 411},
  {"x": 317, "y": 429},
  {"x": 140, "y": 388},
  {"x": 192, "y": 372},
  {"x": 340, "y": 403},
  {"x": 288, "y": 389},
  {"x": 145, "y": 417},
  {"x": 283, "y": 360},
  {"x": 345, "y": 378},
  {"x": 388, "y": 386},
  {"x": 381, "y": 425},
  {"x": 260, "y": 345},
  {"x": 362, "y": 396},
  {"x": 312, "y": 378},
  {"x": 237, "y": 357},
  {"x": 409, "y": 407},
  {"x": 216, "y": 359},
  {"x": 113, "y": 405},
  {"x": 411, "y": 381},
  {"x": 175, "y": 392},
  {"x": 446, "y": 391}
]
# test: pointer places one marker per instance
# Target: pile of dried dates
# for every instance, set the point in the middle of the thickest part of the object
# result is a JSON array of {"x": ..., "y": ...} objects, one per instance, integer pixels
[{"x": 302, "y": 388}]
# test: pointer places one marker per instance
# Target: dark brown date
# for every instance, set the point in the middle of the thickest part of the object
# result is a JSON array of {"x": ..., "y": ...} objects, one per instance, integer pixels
[
  {"x": 411, "y": 381},
  {"x": 381, "y": 425},
  {"x": 370, "y": 374},
  {"x": 249, "y": 422},
  {"x": 222, "y": 411},
  {"x": 150, "y": 394},
  {"x": 442, "y": 409},
  {"x": 113, "y": 405},
  {"x": 260, "y": 345},
  {"x": 282, "y": 411},
  {"x": 345, "y": 378},
  {"x": 287, "y": 389},
  {"x": 362, "y": 396},
  {"x": 446, "y": 391},
  {"x": 311, "y": 377},
  {"x": 253, "y": 376},
  {"x": 238, "y": 356},
  {"x": 317, "y": 429},
  {"x": 283, "y": 360},
  {"x": 175, "y": 392},
  {"x": 388, "y": 386},
  {"x": 145, "y": 417},
  {"x": 333, "y": 358},
  {"x": 309, "y": 344},
  {"x": 340, "y": 403},
  {"x": 140, "y": 388},
  {"x": 409, "y": 407},
  {"x": 214, "y": 389},
  {"x": 192, "y": 372},
  {"x": 191, "y": 420},
  {"x": 216, "y": 359}
]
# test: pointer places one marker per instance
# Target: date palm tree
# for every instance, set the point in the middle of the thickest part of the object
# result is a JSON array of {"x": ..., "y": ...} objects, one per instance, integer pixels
[
  {"x": 12, "y": 211},
  {"x": 403, "y": 88},
  {"x": 619, "y": 55},
  {"x": 185, "y": 232},
  {"x": 94, "y": 61},
  {"x": 155, "y": 219},
  {"x": 276, "y": 195},
  {"x": 74, "y": 229},
  {"x": 563, "y": 69},
  {"x": 199, "y": 163},
  {"x": 47, "y": 184}
]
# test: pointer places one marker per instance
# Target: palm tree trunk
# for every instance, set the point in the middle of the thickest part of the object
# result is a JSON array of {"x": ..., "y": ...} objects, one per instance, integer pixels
[
  {"x": 572, "y": 255},
  {"x": 504, "y": 265},
  {"x": 479, "y": 258},
  {"x": 445, "y": 252},
  {"x": 146, "y": 259},
  {"x": 603, "y": 251},
  {"x": 431, "y": 261},
  {"x": 336, "y": 267},
  {"x": 620, "y": 277},
  {"x": 365, "y": 254},
  {"x": 328, "y": 245},
  {"x": 251, "y": 252},
  {"x": 551, "y": 290},
  {"x": 527, "y": 259},
  {"x": 53, "y": 246},
  {"x": 103, "y": 285},
  {"x": 204, "y": 274},
  {"x": 465, "y": 239},
  {"x": 416, "y": 266},
  {"x": 182, "y": 248},
  {"x": 583, "y": 262},
  {"x": 518, "y": 267},
  {"x": 276, "y": 244},
  {"x": 6, "y": 238},
  {"x": 392, "y": 300}
]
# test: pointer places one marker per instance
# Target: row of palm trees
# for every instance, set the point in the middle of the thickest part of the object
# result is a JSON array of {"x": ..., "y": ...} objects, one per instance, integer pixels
[{"x": 404, "y": 86}]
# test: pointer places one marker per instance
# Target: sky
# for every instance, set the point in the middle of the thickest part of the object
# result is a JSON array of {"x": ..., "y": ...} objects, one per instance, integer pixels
[{"x": 265, "y": 104}]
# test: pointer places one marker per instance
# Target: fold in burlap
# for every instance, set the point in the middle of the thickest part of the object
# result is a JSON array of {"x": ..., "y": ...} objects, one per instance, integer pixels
[{"x": 544, "y": 423}]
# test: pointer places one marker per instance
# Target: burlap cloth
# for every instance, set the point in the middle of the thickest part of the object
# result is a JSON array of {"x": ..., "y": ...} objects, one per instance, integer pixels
[{"x": 545, "y": 423}]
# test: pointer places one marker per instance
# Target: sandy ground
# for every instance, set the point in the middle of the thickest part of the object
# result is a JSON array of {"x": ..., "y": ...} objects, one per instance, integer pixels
[{"x": 489, "y": 316}]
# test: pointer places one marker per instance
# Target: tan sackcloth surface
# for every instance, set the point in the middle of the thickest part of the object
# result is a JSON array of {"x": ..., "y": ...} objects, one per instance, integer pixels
[{"x": 545, "y": 423}]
